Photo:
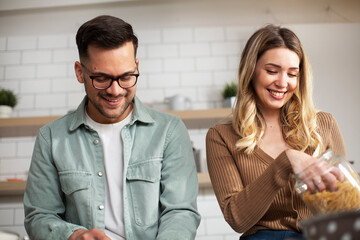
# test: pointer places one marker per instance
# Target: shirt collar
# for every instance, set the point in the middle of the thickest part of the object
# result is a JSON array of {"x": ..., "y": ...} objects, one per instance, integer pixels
[{"x": 141, "y": 113}]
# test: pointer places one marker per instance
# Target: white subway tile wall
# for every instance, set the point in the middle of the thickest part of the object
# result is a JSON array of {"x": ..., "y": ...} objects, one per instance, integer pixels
[
  {"x": 21, "y": 43},
  {"x": 2, "y": 71},
  {"x": 55, "y": 42},
  {"x": 7, "y": 58},
  {"x": 2, "y": 43},
  {"x": 36, "y": 56},
  {"x": 195, "y": 62},
  {"x": 12, "y": 215}
]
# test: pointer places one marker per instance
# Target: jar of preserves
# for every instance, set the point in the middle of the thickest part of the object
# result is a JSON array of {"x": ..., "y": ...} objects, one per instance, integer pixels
[{"x": 340, "y": 185}]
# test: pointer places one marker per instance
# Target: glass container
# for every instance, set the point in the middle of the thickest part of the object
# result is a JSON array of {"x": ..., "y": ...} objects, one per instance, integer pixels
[{"x": 341, "y": 196}]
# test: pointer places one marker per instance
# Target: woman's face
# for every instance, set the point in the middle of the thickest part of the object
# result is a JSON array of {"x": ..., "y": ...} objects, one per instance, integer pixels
[{"x": 275, "y": 78}]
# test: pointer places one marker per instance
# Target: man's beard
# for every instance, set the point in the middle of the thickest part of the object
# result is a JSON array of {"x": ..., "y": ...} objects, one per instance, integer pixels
[{"x": 115, "y": 115}]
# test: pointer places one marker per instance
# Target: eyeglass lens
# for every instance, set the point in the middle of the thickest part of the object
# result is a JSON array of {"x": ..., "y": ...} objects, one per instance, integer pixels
[{"x": 101, "y": 82}]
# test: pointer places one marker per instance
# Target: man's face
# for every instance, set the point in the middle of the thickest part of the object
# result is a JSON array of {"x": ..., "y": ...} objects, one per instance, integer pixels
[{"x": 113, "y": 104}]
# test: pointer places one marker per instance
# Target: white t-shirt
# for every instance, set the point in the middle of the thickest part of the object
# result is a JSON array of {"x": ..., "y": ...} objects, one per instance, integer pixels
[{"x": 114, "y": 163}]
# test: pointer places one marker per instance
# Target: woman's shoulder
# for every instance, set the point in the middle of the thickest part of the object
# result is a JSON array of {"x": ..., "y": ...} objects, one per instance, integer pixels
[
  {"x": 322, "y": 114},
  {"x": 220, "y": 136},
  {"x": 222, "y": 128},
  {"x": 324, "y": 119},
  {"x": 224, "y": 131}
]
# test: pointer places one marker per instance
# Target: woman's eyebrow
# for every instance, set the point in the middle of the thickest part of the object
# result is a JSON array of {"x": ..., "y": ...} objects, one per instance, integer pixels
[{"x": 278, "y": 66}]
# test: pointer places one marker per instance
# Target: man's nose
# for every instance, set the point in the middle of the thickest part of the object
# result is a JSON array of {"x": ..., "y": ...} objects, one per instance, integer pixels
[{"x": 115, "y": 89}]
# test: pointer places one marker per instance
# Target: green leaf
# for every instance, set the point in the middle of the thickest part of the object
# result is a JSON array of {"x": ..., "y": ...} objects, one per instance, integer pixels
[
  {"x": 8, "y": 98},
  {"x": 230, "y": 90}
]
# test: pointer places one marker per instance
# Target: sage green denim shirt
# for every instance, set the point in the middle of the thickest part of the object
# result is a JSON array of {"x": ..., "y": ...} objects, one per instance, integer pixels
[{"x": 66, "y": 184}]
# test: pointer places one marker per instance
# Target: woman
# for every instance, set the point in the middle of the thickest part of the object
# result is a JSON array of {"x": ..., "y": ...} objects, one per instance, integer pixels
[{"x": 275, "y": 132}]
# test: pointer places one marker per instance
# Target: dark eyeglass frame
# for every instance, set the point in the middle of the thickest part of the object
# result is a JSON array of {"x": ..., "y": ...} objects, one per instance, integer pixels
[{"x": 117, "y": 79}]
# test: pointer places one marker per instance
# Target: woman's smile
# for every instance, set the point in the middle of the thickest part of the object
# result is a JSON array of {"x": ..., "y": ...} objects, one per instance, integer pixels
[{"x": 276, "y": 94}]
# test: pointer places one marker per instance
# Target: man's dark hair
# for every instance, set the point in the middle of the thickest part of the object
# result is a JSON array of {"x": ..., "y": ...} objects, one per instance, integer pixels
[{"x": 105, "y": 32}]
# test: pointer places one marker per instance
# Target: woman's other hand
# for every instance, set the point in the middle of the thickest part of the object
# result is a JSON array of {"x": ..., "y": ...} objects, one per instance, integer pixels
[{"x": 317, "y": 175}]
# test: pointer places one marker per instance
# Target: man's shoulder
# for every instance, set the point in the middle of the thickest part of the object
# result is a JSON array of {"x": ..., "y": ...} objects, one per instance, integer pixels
[
  {"x": 160, "y": 116},
  {"x": 59, "y": 124}
]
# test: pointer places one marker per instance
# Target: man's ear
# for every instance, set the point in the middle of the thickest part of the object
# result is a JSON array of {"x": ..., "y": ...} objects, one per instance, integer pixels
[
  {"x": 79, "y": 72},
  {"x": 137, "y": 62}
]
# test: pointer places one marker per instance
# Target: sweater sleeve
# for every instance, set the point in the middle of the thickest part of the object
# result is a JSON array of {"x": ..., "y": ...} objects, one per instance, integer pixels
[
  {"x": 330, "y": 132},
  {"x": 242, "y": 206}
]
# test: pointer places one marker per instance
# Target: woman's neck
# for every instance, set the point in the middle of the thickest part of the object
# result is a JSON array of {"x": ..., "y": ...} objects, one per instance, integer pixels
[
  {"x": 271, "y": 117},
  {"x": 273, "y": 142}
]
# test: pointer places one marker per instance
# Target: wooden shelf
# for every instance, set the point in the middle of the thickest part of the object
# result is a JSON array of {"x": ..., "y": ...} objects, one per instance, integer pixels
[
  {"x": 29, "y": 126},
  {"x": 23, "y": 126},
  {"x": 204, "y": 180},
  {"x": 197, "y": 119},
  {"x": 12, "y": 188},
  {"x": 193, "y": 119},
  {"x": 17, "y": 188}
]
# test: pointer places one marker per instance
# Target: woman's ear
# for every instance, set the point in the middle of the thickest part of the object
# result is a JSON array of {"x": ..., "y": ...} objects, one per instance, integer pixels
[{"x": 79, "y": 72}]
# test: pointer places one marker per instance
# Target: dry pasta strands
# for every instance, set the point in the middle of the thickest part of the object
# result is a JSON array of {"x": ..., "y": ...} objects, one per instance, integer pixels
[
  {"x": 347, "y": 195},
  {"x": 345, "y": 198}
]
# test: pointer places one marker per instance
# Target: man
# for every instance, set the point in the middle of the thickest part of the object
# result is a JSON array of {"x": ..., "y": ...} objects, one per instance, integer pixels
[{"x": 112, "y": 169}]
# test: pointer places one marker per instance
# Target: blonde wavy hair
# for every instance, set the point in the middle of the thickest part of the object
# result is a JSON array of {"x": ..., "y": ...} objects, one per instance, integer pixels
[{"x": 298, "y": 115}]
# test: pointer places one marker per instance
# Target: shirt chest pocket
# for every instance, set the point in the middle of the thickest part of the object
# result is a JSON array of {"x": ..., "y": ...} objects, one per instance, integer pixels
[
  {"x": 74, "y": 181},
  {"x": 144, "y": 186},
  {"x": 76, "y": 187}
]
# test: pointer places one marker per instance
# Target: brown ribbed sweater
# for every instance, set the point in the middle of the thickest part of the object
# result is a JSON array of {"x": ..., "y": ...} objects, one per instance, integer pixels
[{"x": 256, "y": 191}]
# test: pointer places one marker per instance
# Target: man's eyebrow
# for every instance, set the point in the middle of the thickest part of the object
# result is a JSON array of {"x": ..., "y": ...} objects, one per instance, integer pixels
[
  {"x": 278, "y": 66},
  {"x": 108, "y": 75}
]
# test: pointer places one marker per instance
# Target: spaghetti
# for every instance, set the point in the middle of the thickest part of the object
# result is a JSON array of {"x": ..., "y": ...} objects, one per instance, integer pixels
[{"x": 345, "y": 198}]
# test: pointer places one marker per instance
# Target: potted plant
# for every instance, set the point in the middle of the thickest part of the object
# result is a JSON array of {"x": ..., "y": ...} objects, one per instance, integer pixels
[
  {"x": 229, "y": 94},
  {"x": 8, "y": 101}
]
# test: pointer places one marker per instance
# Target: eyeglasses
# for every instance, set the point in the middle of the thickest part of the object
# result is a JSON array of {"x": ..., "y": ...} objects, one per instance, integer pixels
[{"x": 104, "y": 81}]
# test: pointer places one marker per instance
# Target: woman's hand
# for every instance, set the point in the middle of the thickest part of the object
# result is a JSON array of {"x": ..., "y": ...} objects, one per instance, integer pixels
[{"x": 318, "y": 175}]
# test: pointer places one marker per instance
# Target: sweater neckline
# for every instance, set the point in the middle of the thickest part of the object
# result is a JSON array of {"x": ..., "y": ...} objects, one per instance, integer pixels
[{"x": 266, "y": 158}]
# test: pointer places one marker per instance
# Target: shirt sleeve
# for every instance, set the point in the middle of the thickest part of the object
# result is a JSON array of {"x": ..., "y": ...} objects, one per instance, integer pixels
[
  {"x": 179, "y": 217},
  {"x": 43, "y": 199},
  {"x": 242, "y": 206}
]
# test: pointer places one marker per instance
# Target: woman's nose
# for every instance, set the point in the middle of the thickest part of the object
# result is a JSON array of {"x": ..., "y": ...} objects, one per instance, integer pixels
[{"x": 281, "y": 82}]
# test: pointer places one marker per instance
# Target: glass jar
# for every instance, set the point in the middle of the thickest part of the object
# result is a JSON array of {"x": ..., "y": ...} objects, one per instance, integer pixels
[{"x": 343, "y": 195}]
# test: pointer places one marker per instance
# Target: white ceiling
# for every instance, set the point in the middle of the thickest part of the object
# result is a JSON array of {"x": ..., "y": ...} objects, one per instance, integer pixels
[
  {"x": 9, "y": 5},
  {"x": 279, "y": 10},
  {"x": 29, "y": 17}
]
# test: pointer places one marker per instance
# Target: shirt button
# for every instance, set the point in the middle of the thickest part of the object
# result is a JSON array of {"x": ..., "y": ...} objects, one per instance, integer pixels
[
  {"x": 100, "y": 174},
  {"x": 96, "y": 141},
  {"x": 101, "y": 207}
]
